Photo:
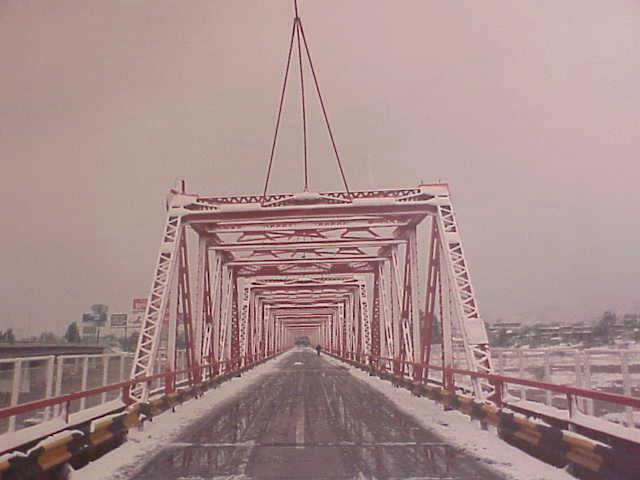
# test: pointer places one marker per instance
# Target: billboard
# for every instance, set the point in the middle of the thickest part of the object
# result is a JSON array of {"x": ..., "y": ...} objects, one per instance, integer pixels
[
  {"x": 100, "y": 313},
  {"x": 138, "y": 307},
  {"x": 89, "y": 330},
  {"x": 139, "y": 304},
  {"x": 118, "y": 320}
]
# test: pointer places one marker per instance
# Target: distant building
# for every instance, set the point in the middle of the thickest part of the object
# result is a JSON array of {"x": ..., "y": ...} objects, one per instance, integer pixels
[
  {"x": 576, "y": 333},
  {"x": 609, "y": 329},
  {"x": 29, "y": 349},
  {"x": 89, "y": 331},
  {"x": 510, "y": 328},
  {"x": 99, "y": 324},
  {"x": 619, "y": 328},
  {"x": 117, "y": 326},
  {"x": 138, "y": 307}
]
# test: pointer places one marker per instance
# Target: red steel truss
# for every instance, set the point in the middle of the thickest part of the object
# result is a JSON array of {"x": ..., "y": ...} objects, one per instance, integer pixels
[{"x": 270, "y": 269}]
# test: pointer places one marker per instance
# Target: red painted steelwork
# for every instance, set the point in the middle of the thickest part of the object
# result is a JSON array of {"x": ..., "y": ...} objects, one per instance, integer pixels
[
  {"x": 503, "y": 380},
  {"x": 433, "y": 276},
  {"x": 124, "y": 386},
  {"x": 184, "y": 300}
]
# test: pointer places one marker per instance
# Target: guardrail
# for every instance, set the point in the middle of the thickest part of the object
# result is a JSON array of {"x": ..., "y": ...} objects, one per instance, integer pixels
[
  {"x": 569, "y": 415},
  {"x": 603, "y": 369},
  {"x": 81, "y": 444},
  {"x": 27, "y": 379},
  {"x": 60, "y": 417},
  {"x": 600, "y": 454}
]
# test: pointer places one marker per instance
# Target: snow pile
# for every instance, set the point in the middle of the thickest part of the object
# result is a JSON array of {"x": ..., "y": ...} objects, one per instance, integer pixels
[
  {"x": 456, "y": 428},
  {"x": 124, "y": 461}
]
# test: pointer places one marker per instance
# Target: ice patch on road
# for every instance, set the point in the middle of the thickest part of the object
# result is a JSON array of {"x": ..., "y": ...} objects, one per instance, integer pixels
[{"x": 459, "y": 431}]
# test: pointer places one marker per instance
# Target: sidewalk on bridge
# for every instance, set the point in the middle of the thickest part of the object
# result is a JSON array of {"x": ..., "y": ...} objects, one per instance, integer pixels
[
  {"x": 456, "y": 428},
  {"x": 121, "y": 463}
]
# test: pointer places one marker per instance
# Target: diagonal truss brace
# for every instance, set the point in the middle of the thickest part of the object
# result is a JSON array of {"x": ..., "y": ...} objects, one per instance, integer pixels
[
  {"x": 156, "y": 305},
  {"x": 463, "y": 299}
]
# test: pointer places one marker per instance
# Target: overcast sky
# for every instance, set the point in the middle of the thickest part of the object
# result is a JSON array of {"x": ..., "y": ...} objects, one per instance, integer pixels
[{"x": 529, "y": 109}]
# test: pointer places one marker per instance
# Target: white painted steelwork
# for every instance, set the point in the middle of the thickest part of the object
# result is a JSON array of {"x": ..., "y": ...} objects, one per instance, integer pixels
[{"x": 330, "y": 247}]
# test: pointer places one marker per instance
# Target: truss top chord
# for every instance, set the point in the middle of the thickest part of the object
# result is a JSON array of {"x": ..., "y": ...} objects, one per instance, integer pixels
[{"x": 425, "y": 194}]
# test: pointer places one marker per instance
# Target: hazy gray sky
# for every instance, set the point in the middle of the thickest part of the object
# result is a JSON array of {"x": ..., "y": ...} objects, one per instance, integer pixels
[{"x": 529, "y": 109}]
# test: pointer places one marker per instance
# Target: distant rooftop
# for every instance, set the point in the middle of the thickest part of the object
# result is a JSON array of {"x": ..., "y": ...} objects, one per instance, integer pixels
[{"x": 29, "y": 349}]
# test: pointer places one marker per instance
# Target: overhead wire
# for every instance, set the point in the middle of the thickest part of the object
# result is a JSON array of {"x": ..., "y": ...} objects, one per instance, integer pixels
[
  {"x": 275, "y": 135},
  {"x": 304, "y": 112},
  {"x": 297, "y": 31},
  {"x": 324, "y": 112}
]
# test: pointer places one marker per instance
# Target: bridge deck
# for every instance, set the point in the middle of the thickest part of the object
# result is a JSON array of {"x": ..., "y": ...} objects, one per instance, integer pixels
[{"x": 310, "y": 419}]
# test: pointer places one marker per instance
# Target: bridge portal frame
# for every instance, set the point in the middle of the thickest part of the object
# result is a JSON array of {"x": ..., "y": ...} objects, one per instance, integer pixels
[{"x": 269, "y": 267}]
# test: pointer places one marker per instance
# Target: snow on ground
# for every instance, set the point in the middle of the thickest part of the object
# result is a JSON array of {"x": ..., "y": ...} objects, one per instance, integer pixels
[
  {"x": 121, "y": 463},
  {"x": 455, "y": 427}
]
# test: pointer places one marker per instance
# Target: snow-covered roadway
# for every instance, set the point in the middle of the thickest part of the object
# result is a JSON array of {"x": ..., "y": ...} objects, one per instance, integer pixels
[{"x": 304, "y": 416}]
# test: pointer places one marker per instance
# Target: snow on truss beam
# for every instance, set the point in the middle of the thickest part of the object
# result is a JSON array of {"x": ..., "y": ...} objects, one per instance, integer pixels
[
  {"x": 303, "y": 271},
  {"x": 290, "y": 255},
  {"x": 303, "y": 261},
  {"x": 230, "y": 247}
]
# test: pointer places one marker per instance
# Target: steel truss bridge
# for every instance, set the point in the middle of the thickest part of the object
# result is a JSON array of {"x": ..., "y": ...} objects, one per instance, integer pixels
[
  {"x": 239, "y": 279},
  {"x": 340, "y": 269},
  {"x": 368, "y": 276}
]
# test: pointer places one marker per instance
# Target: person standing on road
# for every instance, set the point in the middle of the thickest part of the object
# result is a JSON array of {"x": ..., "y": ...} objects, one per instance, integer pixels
[{"x": 318, "y": 348}]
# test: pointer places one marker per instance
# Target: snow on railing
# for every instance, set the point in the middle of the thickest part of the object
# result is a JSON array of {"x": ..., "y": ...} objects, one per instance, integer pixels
[
  {"x": 605, "y": 370},
  {"x": 28, "y": 379},
  {"x": 600, "y": 410},
  {"x": 73, "y": 405}
]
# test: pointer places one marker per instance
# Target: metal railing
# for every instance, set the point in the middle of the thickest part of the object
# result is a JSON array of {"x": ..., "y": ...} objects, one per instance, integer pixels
[
  {"x": 573, "y": 409},
  {"x": 58, "y": 408},
  {"x": 28, "y": 379},
  {"x": 609, "y": 370}
]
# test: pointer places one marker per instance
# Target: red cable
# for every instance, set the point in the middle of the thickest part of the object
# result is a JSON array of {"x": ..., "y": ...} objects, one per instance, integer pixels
[
  {"x": 298, "y": 30},
  {"x": 275, "y": 136},
  {"x": 304, "y": 113},
  {"x": 324, "y": 111}
]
